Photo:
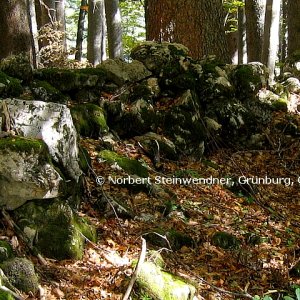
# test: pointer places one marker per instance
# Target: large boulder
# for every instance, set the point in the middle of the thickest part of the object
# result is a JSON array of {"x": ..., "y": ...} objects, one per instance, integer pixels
[
  {"x": 54, "y": 228},
  {"x": 51, "y": 122},
  {"x": 26, "y": 172},
  {"x": 120, "y": 72}
]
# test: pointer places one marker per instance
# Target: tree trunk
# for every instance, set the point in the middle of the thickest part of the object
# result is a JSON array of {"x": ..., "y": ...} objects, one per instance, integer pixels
[
  {"x": 80, "y": 29},
  {"x": 61, "y": 19},
  {"x": 255, "y": 13},
  {"x": 293, "y": 9},
  {"x": 283, "y": 33},
  {"x": 197, "y": 24},
  {"x": 271, "y": 36},
  {"x": 242, "y": 50},
  {"x": 34, "y": 34},
  {"x": 96, "y": 32},
  {"x": 114, "y": 28},
  {"x": 15, "y": 36}
]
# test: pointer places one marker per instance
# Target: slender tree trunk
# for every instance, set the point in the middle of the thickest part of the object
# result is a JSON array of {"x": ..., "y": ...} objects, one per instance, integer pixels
[
  {"x": 96, "y": 32},
  {"x": 242, "y": 49},
  {"x": 293, "y": 11},
  {"x": 61, "y": 19},
  {"x": 232, "y": 41},
  {"x": 34, "y": 34},
  {"x": 15, "y": 36},
  {"x": 114, "y": 28},
  {"x": 271, "y": 36},
  {"x": 80, "y": 29},
  {"x": 255, "y": 13},
  {"x": 197, "y": 24},
  {"x": 283, "y": 32}
]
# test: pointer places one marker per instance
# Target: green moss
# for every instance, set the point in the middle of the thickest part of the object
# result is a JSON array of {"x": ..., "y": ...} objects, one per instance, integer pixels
[
  {"x": 163, "y": 285},
  {"x": 60, "y": 242},
  {"x": 6, "y": 296},
  {"x": 11, "y": 86},
  {"x": 6, "y": 251},
  {"x": 130, "y": 166},
  {"x": 89, "y": 119},
  {"x": 280, "y": 104},
  {"x": 21, "y": 274},
  {"x": 20, "y": 144},
  {"x": 84, "y": 159},
  {"x": 87, "y": 229}
]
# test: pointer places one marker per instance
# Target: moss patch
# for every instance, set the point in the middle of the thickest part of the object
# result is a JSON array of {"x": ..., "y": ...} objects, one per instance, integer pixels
[
  {"x": 89, "y": 119},
  {"x": 20, "y": 144},
  {"x": 9, "y": 86},
  {"x": 6, "y": 251},
  {"x": 21, "y": 274},
  {"x": 130, "y": 166}
]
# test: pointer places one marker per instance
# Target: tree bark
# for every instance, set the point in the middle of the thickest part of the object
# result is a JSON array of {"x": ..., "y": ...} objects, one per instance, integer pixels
[
  {"x": 271, "y": 36},
  {"x": 80, "y": 29},
  {"x": 255, "y": 13},
  {"x": 293, "y": 9},
  {"x": 114, "y": 28},
  {"x": 34, "y": 34},
  {"x": 96, "y": 32},
  {"x": 61, "y": 19},
  {"x": 242, "y": 49},
  {"x": 15, "y": 36},
  {"x": 197, "y": 24}
]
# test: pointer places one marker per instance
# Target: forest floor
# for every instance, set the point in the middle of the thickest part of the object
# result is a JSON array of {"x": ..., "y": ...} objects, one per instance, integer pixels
[{"x": 267, "y": 211}]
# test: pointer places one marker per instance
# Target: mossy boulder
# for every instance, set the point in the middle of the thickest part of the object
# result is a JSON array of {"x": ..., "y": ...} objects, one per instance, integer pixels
[
  {"x": 6, "y": 251},
  {"x": 148, "y": 90},
  {"x": 128, "y": 121},
  {"x": 159, "y": 284},
  {"x": 18, "y": 66},
  {"x": 157, "y": 56},
  {"x": 26, "y": 172},
  {"x": 9, "y": 86},
  {"x": 249, "y": 79},
  {"x": 44, "y": 91},
  {"x": 89, "y": 120},
  {"x": 66, "y": 80},
  {"x": 55, "y": 229},
  {"x": 130, "y": 166},
  {"x": 225, "y": 240},
  {"x": 120, "y": 72},
  {"x": 156, "y": 145},
  {"x": 20, "y": 272}
]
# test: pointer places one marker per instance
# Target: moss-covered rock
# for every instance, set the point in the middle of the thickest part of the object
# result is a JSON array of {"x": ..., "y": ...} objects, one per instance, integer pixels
[
  {"x": 89, "y": 120},
  {"x": 156, "y": 56},
  {"x": 66, "y": 80},
  {"x": 225, "y": 240},
  {"x": 120, "y": 72},
  {"x": 26, "y": 172},
  {"x": 9, "y": 86},
  {"x": 157, "y": 146},
  {"x": 18, "y": 66},
  {"x": 249, "y": 79},
  {"x": 21, "y": 274},
  {"x": 44, "y": 91},
  {"x": 163, "y": 285},
  {"x": 130, "y": 166},
  {"x": 6, "y": 251},
  {"x": 6, "y": 296},
  {"x": 55, "y": 229}
]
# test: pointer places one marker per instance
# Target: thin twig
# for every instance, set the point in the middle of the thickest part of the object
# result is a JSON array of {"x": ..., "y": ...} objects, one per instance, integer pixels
[{"x": 137, "y": 269}]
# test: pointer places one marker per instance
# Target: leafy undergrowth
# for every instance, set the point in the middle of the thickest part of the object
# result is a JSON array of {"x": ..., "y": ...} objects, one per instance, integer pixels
[{"x": 264, "y": 217}]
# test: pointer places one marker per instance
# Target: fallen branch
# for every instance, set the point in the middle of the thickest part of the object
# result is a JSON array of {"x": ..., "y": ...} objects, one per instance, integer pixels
[{"x": 137, "y": 270}]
